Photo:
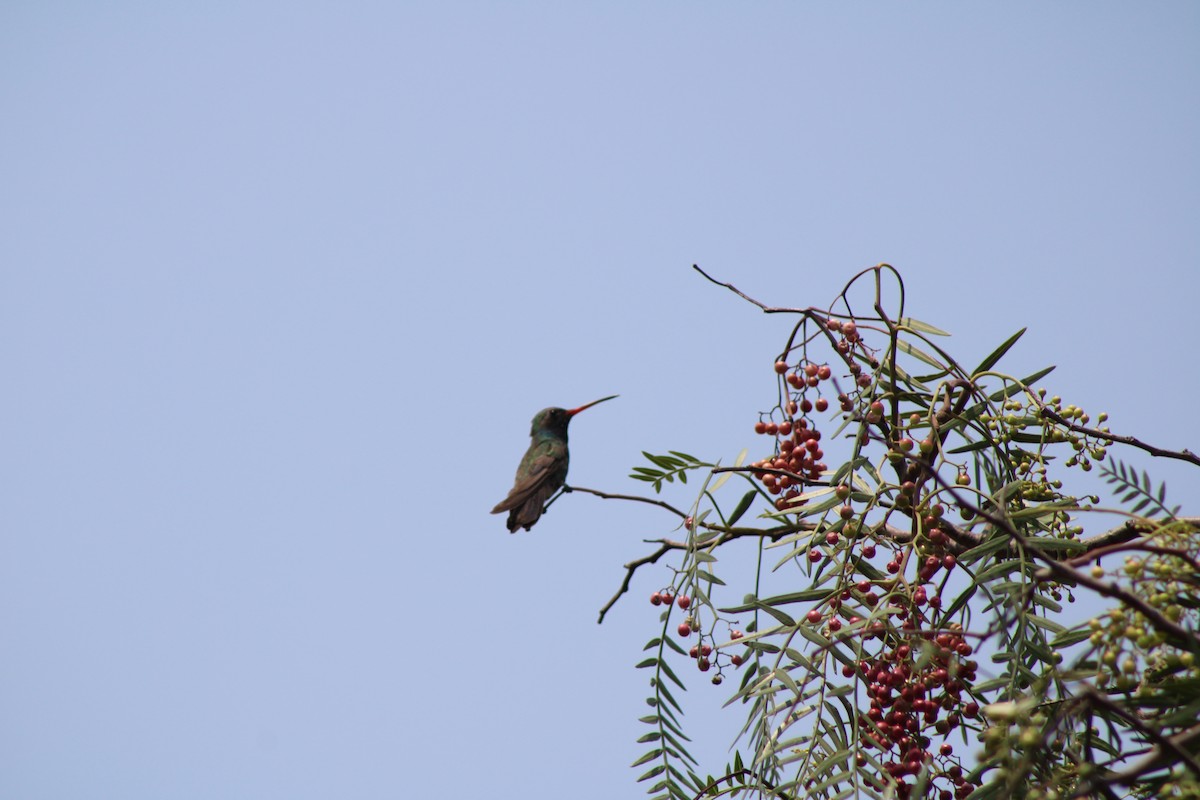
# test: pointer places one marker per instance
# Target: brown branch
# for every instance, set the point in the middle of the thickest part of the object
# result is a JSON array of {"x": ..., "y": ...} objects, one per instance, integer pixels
[
  {"x": 631, "y": 568},
  {"x": 742, "y": 773},
  {"x": 1056, "y": 569},
  {"x": 767, "y": 309},
  {"x": 667, "y": 545},
  {"x": 635, "y": 498},
  {"x": 1182, "y": 455},
  {"x": 1165, "y": 747}
]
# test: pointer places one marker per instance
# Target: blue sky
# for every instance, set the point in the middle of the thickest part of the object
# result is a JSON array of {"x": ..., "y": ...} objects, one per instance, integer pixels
[{"x": 283, "y": 284}]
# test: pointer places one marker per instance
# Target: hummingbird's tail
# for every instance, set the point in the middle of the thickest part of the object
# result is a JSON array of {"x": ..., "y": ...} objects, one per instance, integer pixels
[{"x": 522, "y": 515}]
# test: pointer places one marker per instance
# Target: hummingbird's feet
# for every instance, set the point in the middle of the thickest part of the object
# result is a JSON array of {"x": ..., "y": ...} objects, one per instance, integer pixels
[{"x": 567, "y": 489}]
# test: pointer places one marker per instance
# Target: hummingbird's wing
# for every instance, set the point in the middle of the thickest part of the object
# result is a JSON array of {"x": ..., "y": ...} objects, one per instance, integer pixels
[{"x": 542, "y": 472}]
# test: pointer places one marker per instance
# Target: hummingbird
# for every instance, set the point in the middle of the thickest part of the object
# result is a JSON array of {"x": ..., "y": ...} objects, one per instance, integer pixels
[{"x": 543, "y": 470}]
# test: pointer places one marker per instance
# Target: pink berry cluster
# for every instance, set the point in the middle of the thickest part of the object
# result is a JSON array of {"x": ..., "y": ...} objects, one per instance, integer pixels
[
  {"x": 701, "y": 653},
  {"x": 910, "y": 706}
]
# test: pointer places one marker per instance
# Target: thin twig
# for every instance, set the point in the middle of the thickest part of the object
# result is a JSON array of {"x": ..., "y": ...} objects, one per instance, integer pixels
[
  {"x": 1164, "y": 746},
  {"x": 1095, "y": 433},
  {"x": 734, "y": 289}
]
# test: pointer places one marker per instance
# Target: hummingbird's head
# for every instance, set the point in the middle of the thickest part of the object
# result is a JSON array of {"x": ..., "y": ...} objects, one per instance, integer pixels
[
  {"x": 555, "y": 420},
  {"x": 551, "y": 420}
]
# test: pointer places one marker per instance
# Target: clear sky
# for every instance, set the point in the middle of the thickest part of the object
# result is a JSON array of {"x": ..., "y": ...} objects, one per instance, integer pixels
[{"x": 281, "y": 285}]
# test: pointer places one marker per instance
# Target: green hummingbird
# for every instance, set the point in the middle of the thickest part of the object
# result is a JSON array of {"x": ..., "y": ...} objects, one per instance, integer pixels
[{"x": 543, "y": 470}]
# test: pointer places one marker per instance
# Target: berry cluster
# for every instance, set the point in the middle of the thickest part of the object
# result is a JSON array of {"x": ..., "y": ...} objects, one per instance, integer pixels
[
  {"x": 798, "y": 454},
  {"x": 701, "y": 653},
  {"x": 909, "y": 703},
  {"x": 798, "y": 450}
]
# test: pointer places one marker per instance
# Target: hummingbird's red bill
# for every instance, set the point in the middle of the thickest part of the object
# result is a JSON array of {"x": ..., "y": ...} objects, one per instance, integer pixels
[{"x": 575, "y": 411}]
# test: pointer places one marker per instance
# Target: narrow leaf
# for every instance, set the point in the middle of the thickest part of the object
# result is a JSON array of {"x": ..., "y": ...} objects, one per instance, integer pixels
[{"x": 998, "y": 353}]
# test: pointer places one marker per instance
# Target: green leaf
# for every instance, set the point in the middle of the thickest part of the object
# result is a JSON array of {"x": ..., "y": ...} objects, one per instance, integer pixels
[
  {"x": 920, "y": 354},
  {"x": 982, "y": 444},
  {"x": 779, "y": 600},
  {"x": 997, "y": 570},
  {"x": 671, "y": 674},
  {"x": 1042, "y": 622},
  {"x": 998, "y": 353},
  {"x": 1057, "y": 545},
  {"x": 653, "y": 754},
  {"x": 1072, "y": 637},
  {"x": 781, "y": 617},
  {"x": 655, "y": 770},
  {"x": 742, "y": 505},
  {"x": 671, "y": 643},
  {"x": 994, "y": 544},
  {"x": 922, "y": 327},
  {"x": 665, "y": 462}
]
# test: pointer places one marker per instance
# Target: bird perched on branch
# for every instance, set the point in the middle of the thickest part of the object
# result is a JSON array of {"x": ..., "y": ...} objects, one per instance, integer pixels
[{"x": 543, "y": 470}]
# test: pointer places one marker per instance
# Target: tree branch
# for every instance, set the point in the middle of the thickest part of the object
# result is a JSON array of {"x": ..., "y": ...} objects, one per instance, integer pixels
[
  {"x": 1165, "y": 747},
  {"x": 1182, "y": 455},
  {"x": 767, "y": 309}
]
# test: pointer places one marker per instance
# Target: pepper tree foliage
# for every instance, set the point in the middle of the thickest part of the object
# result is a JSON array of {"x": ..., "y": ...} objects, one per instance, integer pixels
[{"x": 917, "y": 511}]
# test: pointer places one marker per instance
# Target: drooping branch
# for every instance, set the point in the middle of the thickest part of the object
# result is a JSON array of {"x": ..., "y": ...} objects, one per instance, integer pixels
[
  {"x": 1095, "y": 433},
  {"x": 767, "y": 309},
  {"x": 1117, "y": 539}
]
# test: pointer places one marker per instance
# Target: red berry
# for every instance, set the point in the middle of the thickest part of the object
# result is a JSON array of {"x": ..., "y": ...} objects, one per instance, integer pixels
[
  {"x": 869, "y": 550},
  {"x": 760, "y": 427},
  {"x": 694, "y": 652},
  {"x": 656, "y": 599},
  {"x": 823, "y": 372},
  {"x": 815, "y": 555},
  {"x": 736, "y": 660},
  {"x": 704, "y": 664},
  {"x": 684, "y": 601},
  {"x": 781, "y": 367},
  {"x": 821, "y": 404},
  {"x": 814, "y": 616},
  {"x": 685, "y": 630},
  {"x": 667, "y": 598},
  {"x": 946, "y": 749},
  {"x": 735, "y": 635},
  {"x": 831, "y": 537}
]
